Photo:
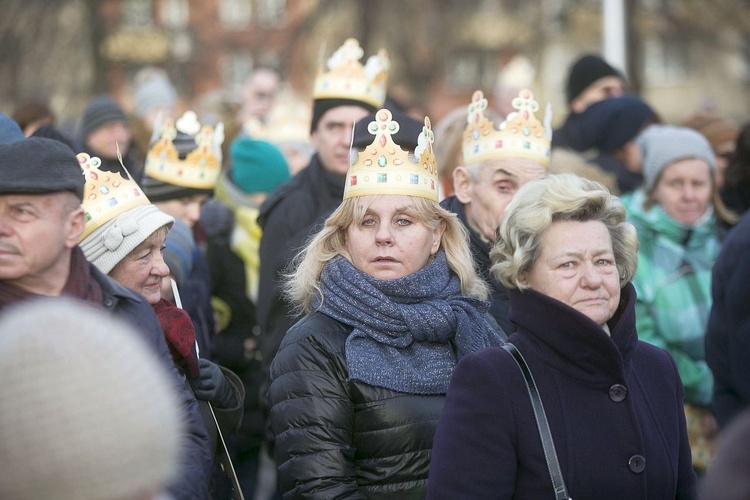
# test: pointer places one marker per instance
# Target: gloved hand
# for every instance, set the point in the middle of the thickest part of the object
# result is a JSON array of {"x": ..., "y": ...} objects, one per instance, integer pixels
[{"x": 213, "y": 386}]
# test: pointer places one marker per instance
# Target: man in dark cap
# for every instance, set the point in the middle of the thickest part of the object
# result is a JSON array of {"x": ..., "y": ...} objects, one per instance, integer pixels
[
  {"x": 590, "y": 79},
  {"x": 104, "y": 128},
  {"x": 41, "y": 221}
]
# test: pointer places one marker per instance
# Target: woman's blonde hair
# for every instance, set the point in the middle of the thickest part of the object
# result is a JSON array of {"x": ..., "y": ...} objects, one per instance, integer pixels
[
  {"x": 561, "y": 197},
  {"x": 302, "y": 283}
]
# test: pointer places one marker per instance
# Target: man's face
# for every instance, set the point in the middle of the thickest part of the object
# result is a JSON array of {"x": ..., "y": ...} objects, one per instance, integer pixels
[
  {"x": 333, "y": 136},
  {"x": 486, "y": 189},
  {"x": 104, "y": 140},
  {"x": 259, "y": 92},
  {"x": 37, "y": 233},
  {"x": 603, "y": 88},
  {"x": 188, "y": 208}
]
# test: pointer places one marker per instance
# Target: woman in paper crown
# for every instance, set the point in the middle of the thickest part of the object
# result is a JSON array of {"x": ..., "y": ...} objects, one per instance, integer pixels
[
  {"x": 392, "y": 301},
  {"x": 124, "y": 238}
]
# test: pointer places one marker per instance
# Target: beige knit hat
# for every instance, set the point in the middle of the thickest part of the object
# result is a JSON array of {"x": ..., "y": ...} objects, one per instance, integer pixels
[
  {"x": 115, "y": 239},
  {"x": 86, "y": 411}
]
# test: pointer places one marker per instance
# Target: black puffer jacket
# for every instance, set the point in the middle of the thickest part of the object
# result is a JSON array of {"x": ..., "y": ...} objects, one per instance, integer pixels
[{"x": 337, "y": 438}]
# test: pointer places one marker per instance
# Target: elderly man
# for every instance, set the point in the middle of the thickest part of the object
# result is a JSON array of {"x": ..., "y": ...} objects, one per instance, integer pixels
[
  {"x": 496, "y": 164},
  {"x": 41, "y": 221}
]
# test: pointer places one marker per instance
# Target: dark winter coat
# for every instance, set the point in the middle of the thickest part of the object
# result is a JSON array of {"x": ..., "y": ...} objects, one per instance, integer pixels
[
  {"x": 293, "y": 213},
  {"x": 197, "y": 455},
  {"x": 337, "y": 438},
  {"x": 728, "y": 332},
  {"x": 614, "y": 406},
  {"x": 480, "y": 250}
]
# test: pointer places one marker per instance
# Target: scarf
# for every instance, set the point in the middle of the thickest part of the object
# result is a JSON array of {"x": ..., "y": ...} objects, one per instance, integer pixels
[
  {"x": 410, "y": 332},
  {"x": 80, "y": 284},
  {"x": 180, "y": 335}
]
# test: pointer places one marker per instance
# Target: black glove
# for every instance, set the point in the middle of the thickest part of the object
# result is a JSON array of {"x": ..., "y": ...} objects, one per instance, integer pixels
[{"x": 213, "y": 386}]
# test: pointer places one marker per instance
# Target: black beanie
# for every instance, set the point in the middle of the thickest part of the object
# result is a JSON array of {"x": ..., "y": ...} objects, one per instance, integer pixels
[
  {"x": 586, "y": 71},
  {"x": 320, "y": 106},
  {"x": 100, "y": 111}
]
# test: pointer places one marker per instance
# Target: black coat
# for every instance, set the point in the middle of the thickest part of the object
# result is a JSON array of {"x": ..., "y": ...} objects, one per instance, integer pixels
[
  {"x": 728, "y": 331},
  {"x": 337, "y": 438},
  {"x": 291, "y": 215},
  {"x": 480, "y": 250},
  {"x": 611, "y": 402}
]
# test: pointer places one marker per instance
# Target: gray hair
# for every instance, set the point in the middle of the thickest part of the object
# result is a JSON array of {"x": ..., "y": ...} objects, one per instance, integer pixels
[{"x": 561, "y": 197}]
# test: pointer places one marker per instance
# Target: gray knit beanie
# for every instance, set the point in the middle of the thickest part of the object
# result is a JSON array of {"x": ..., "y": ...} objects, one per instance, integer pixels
[
  {"x": 88, "y": 412},
  {"x": 111, "y": 242},
  {"x": 661, "y": 145}
]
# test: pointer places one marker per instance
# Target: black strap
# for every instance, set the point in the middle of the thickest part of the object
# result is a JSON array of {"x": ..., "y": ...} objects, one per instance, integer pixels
[{"x": 553, "y": 465}]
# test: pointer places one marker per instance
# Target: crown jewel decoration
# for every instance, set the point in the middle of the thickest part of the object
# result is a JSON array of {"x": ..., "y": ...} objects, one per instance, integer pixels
[
  {"x": 346, "y": 78},
  {"x": 521, "y": 135},
  {"x": 200, "y": 168},
  {"x": 384, "y": 168},
  {"x": 106, "y": 194}
]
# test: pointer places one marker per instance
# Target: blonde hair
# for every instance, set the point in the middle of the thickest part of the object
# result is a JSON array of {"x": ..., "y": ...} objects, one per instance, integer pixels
[
  {"x": 560, "y": 197},
  {"x": 302, "y": 284}
]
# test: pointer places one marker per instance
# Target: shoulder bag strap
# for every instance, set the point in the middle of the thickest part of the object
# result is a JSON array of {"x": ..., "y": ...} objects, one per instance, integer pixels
[{"x": 553, "y": 465}]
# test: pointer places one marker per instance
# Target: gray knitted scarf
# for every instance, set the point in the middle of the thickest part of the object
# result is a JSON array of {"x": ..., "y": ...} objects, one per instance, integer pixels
[{"x": 409, "y": 332}]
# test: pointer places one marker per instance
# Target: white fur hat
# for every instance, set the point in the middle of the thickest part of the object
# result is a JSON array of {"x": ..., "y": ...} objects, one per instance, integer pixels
[{"x": 86, "y": 410}]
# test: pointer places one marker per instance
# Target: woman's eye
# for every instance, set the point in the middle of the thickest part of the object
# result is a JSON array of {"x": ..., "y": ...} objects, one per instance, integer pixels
[
  {"x": 368, "y": 222},
  {"x": 403, "y": 222}
]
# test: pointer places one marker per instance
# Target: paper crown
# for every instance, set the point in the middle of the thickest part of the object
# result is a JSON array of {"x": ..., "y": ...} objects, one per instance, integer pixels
[
  {"x": 200, "y": 167},
  {"x": 106, "y": 194},
  {"x": 384, "y": 168},
  {"x": 346, "y": 78},
  {"x": 521, "y": 135}
]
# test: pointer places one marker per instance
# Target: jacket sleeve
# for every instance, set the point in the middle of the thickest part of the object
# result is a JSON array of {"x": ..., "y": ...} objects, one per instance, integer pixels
[
  {"x": 312, "y": 420},
  {"x": 473, "y": 455}
]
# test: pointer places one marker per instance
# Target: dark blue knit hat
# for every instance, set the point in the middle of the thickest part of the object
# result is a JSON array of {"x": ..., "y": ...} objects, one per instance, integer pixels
[
  {"x": 37, "y": 166},
  {"x": 100, "y": 111},
  {"x": 609, "y": 124}
]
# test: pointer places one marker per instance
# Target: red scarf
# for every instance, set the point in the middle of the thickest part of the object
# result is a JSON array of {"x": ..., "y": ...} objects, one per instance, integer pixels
[
  {"x": 80, "y": 285},
  {"x": 180, "y": 334}
]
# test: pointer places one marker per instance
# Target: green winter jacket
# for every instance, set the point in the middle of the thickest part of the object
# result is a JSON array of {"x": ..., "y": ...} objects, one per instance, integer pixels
[{"x": 673, "y": 284}]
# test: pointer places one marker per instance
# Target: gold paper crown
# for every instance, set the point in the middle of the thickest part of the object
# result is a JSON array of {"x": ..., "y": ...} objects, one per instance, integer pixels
[
  {"x": 106, "y": 194},
  {"x": 346, "y": 78},
  {"x": 384, "y": 168},
  {"x": 521, "y": 135},
  {"x": 200, "y": 168}
]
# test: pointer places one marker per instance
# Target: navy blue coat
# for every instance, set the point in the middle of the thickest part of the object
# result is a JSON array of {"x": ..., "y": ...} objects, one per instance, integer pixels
[
  {"x": 196, "y": 458},
  {"x": 728, "y": 332},
  {"x": 614, "y": 406}
]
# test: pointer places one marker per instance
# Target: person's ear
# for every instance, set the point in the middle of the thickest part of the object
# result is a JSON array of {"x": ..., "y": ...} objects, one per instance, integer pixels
[
  {"x": 438, "y": 236},
  {"x": 462, "y": 184},
  {"x": 76, "y": 222}
]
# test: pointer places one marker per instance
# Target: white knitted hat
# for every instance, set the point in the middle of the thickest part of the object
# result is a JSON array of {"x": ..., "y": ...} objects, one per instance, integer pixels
[
  {"x": 86, "y": 410},
  {"x": 112, "y": 241}
]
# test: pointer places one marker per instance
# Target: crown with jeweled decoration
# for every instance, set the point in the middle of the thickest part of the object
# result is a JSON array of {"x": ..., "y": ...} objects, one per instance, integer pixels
[
  {"x": 384, "y": 168},
  {"x": 106, "y": 194},
  {"x": 200, "y": 167},
  {"x": 521, "y": 135},
  {"x": 346, "y": 78}
]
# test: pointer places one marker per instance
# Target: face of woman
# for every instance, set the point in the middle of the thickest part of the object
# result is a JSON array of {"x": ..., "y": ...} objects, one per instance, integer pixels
[
  {"x": 577, "y": 267},
  {"x": 684, "y": 190},
  {"x": 389, "y": 242},
  {"x": 143, "y": 269}
]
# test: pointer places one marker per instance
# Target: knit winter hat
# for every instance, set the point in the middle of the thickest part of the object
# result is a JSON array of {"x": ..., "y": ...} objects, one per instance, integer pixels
[
  {"x": 10, "y": 131},
  {"x": 100, "y": 111},
  {"x": 38, "y": 165},
  {"x": 609, "y": 124},
  {"x": 257, "y": 166},
  {"x": 178, "y": 251},
  {"x": 584, "y": 72},
  {"x": 156, "y": 92},
  {"x": 87, "y": 410},
  {"x": 719, "y": 131},
  {"x": 111, "y": 242},
  {"x": 662, "y": 145}
]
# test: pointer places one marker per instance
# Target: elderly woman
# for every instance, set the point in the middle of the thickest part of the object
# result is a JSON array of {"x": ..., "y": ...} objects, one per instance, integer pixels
[
  {"x": 613, "y": 403},
  {"x": 392, "y": 302},
  {"x": 124, "y": 237},
  {"x": 675, "y": 214}
]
